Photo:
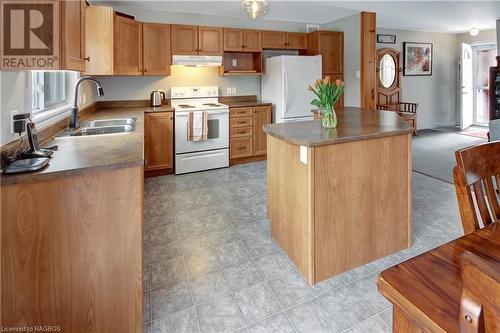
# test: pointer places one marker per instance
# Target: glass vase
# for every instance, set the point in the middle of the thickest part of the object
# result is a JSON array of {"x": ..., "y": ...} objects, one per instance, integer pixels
[{"x": 329, "y": 118}]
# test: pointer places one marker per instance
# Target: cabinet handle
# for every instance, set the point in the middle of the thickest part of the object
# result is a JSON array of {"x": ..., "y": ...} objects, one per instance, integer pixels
[
  {"x": 87, "y": 59},
  {"x": 242, "y": 148}
]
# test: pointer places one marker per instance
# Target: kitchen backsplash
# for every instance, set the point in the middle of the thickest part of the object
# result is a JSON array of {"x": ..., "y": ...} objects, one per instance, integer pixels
[{"x": 133, "y": 88}]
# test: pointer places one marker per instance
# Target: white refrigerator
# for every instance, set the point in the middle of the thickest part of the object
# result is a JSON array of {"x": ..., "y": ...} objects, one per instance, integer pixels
[{"x": 285, "y": 85}]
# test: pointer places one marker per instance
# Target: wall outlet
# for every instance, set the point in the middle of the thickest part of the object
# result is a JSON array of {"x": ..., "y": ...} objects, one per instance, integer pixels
[
  {"x": 228, "y": 90},
  {"x": 12, "y": 114},
  {"x": 358, "y": 74},
  {"x": 233, "y": 91},
  {"x": 234, "y": 62}
]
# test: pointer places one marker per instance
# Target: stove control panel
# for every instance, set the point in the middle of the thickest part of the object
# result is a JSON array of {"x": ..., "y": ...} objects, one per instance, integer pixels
[{"x": 194, "y": 92}]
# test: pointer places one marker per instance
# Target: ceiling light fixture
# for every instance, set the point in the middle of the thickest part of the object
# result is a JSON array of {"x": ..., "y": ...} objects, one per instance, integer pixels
[
  {"x": 254, "y": 8},
  {"x": 474, "y": 32}
]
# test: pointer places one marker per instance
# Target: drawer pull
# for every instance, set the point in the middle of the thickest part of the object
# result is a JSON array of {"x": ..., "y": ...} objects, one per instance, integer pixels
[{"x": 242, "y": 148}]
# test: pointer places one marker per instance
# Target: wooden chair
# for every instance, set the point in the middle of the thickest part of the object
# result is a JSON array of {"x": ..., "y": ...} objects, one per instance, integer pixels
[
  {"x": 407, "y": 111},
  {"x": 477, "y": 171},
  {"x": 480, "y": 300}
]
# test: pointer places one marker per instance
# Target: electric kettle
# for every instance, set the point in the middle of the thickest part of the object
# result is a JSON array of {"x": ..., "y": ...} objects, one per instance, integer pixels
[{"x": 156, "y": 98}]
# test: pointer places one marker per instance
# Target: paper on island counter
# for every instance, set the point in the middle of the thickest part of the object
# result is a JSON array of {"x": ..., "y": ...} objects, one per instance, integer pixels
[{"x": 303, "y": 154}]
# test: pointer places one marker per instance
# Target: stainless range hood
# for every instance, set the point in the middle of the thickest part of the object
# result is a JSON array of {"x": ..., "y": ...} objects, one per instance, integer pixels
[{"x": 197, "y": 60}]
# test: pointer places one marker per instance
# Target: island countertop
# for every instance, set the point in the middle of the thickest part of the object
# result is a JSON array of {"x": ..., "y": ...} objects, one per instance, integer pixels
[
  {"x": 353, "y": 124},
  {"x": 76, "y": 155}
]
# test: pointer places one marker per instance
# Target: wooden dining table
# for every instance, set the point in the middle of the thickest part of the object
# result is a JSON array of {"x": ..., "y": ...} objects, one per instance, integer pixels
[{"x": 425, "y": 290}]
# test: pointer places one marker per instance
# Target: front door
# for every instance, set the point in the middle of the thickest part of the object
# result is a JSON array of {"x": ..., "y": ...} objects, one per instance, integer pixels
[{"x": 466, "y": 87}]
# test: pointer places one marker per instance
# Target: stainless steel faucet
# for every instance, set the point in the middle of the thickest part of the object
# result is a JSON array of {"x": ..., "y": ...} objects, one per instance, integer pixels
[{"x": 73, "y": 119}]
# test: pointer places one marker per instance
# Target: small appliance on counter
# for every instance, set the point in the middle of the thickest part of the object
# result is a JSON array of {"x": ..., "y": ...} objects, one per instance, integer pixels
[
  {"x": 156, "y": 99},
  {"x": 35, "y": 158},
  {"x": 209, "y": 153}
]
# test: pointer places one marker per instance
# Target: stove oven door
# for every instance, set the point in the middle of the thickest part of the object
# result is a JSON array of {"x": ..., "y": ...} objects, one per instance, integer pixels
[{"x": 218, "y": 132}]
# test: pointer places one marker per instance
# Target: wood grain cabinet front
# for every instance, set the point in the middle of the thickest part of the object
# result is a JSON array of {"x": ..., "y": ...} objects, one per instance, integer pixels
[
  {"x": 247, "y": 138},
  {"x": 159, "y": 141},
  {"x": 242, "y": 40},
  {"x": 73, "y": 54},
  {"x": 284, "y": 40},
  {"x": 184, "y": 39},
  {"x": 156, "y": 49},
  {"x": 127, "y": 47}
]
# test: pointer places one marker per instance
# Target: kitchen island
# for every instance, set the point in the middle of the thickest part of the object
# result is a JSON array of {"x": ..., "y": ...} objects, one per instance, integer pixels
[{"x": 340, "y": 198}]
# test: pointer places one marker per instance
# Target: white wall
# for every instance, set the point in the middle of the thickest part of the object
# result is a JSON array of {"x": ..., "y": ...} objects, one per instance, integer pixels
[
  {"x": 133, "y": 88},
  {"x": 435, "y": 94},
  {"x": 14, "y": 96},
  {"x": 351, "y": 26},
  {"x": 498, "y": 37}
]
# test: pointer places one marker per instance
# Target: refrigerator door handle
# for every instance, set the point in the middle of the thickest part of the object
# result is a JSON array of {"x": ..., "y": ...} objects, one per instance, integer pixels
[{"x": 286, "y": 91}]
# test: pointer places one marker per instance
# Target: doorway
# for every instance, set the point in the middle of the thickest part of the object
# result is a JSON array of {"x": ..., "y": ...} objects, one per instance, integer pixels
[
  {"x": 475, "y": 61},
  {"x": 483, "y": 57}
]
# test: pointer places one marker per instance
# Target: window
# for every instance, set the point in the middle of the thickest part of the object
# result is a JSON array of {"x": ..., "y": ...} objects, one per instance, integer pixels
[{"x": 48, "y": 90}]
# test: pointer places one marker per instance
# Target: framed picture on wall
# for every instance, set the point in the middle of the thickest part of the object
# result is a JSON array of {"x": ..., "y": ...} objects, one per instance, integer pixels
[
  {"x": 386, "y": 39},
  {"x": 417, "y": 59}
]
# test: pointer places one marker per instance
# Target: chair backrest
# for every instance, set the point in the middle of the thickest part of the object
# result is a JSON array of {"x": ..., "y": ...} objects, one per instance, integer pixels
[
  {"x": 476, "y": 175},
  {"x": 480, "y": 301},
  {"x": 406, "y": 107},
  {"x": 383, "y": 107}
]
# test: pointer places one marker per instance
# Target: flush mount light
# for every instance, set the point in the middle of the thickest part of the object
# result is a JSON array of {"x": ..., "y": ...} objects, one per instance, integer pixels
[
  {"x": 474, "y": 32},
  {"x": 254, "y": 8}
]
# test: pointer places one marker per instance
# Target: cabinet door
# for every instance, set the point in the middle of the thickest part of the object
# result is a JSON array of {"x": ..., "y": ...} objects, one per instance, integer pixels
[
  {"x": 73, "y": 35},
  {"x": 210, "y": 41},
  {"x": 261, "y": 116},
  {"x": 331, "y": 47},
  {"x": 253, "y": 41},
  {"x": 273, "y": 39},
  {"x": 127, "y": 46},
  {"x": 296, "y": 41},
  {"x": 184, "y": 39},
  {"x": 159, "y": 140},
  {"x": 233, "y": 39},
  {"x": 157, "y": 56},
  {"x": 99, "y": 40}
]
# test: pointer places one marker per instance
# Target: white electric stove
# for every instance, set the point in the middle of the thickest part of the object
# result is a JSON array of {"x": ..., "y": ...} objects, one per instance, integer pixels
[{"x": 191, "y": 156}]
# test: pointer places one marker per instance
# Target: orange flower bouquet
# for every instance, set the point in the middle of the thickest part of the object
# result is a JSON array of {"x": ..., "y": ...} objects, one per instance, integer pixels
[{"x": 327, "y": 94}]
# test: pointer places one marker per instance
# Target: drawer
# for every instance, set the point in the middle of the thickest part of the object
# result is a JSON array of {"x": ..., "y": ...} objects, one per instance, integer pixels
[
  {"x": 240, "y": 132},
  {"x": 240, "y": 112},
  {"x": 241, "y": 122},
  {"x": 241, "y": 147}
]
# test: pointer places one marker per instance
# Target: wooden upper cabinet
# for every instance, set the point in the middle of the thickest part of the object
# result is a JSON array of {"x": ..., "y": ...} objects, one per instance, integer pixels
[
  {"x": 156, "y": 49},
  {"x": 296, "y": 41},
  {"x": 261, "y": 116},
  {"x": 274, "y": 39},
  {"x": 284, "y": 40},
  {"x": 127, "y": 46},
  {"x": 184, "y": 39},
  {"x": 331, "y": 47},
  {"x": 241, "y": 40},
  {"x": 233, "y": 39},
  {"x": 210, "y": 41},
  {"x": 73, "y": 35},
  {"x": 252, "y": 41}
]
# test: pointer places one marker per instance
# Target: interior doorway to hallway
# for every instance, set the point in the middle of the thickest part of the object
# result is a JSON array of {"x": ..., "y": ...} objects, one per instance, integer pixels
[{"x": 475, "y": 62}]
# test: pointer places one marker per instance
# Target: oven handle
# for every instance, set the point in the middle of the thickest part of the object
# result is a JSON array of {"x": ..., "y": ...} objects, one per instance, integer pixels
[{"x": 210, "y": 113}]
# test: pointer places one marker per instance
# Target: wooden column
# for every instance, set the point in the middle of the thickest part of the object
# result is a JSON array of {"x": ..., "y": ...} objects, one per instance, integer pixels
[{"x": 368, "y": 80}]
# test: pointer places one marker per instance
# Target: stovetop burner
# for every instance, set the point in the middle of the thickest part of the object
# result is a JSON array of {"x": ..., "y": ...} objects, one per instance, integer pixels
[
  {"x": 185, "y": 106},
  {"x": 211, "y": 104}
]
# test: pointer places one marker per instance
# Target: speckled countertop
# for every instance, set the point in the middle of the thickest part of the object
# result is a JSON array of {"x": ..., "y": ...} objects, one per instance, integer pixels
[
  {"x": 353, "y": 124},
  {"x": 81, "y": 154}
]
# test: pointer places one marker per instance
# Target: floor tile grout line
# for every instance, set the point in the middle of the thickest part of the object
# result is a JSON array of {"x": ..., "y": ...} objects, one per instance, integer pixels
[
  {"x": 188, "y": 281},
  {"x": 272, "y": 291}
]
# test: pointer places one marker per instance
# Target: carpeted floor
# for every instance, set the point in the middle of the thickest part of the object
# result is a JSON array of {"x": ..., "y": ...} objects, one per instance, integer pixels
[{"x": 433, "y": 152}]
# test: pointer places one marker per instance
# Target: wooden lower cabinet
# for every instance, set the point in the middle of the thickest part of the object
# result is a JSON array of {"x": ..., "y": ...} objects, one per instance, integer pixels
[
  {"x": 159, "y": 141},
  {"x": 247, "y": 139},
  {"x": 72, "y": 252}
]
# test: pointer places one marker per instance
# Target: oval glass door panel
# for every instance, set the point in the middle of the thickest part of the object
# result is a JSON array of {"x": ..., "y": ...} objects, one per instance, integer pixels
[{"x": 387, "y": 70}]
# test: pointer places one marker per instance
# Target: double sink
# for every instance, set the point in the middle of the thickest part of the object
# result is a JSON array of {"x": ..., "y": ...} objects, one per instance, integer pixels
[{"x": 103, "y": 126}]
